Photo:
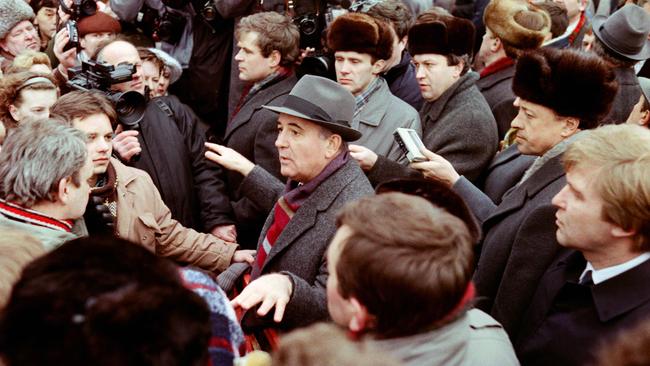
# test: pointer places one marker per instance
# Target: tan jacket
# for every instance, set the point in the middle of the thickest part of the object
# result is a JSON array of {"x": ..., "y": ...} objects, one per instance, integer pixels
[{"x": 143, "y": 217}]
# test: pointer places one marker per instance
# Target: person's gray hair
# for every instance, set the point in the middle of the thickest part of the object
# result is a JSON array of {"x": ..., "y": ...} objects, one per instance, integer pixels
[{"x": 36, "y": 156}]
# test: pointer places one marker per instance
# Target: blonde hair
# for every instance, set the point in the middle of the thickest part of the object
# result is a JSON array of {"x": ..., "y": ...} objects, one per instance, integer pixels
[
  {"x": 621, "y": 154},
  {"x": 26, "y": 59}
]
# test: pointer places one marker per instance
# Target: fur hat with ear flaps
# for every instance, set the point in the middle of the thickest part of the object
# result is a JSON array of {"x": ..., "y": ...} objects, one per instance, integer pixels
[
  {"x": 517, "y": 23},
  {"x": 570, "y": 82},
  {"x": 447, "y": 35},
  {"x": 361, "y": 33},
  {"x": 13, "y": 12}
]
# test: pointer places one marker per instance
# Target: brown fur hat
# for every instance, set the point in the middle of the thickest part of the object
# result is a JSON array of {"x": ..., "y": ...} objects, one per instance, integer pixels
[
  {"x": 447, "y": 35},
  {"x": 517, "y": 23},
  {"x": 361, "y": 33},
  {"x": 570, "y": 82}
]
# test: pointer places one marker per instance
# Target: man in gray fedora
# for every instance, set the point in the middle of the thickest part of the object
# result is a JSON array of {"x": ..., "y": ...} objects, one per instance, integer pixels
[
  {"x": 622, "y": 41},
  {"x": 290, "y": 271}
]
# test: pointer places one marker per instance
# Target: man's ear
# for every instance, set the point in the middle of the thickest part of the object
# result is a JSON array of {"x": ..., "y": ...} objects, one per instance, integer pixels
[
  {"x": 15, "y": 113},
  {"x": 645, "y": 118},
  {"x": 63, "y": 190},
  {"x": 378, "y": 67},
  {"x": 496, "y": 45},
  {"x": 571, "y": 126},
  {"x": 361, "y": 319},
  {"x": 458, "y": 69},
  {"x": 619, "y": 232},
  {"x": 333, "y": 145},
  {"x": 275, "y": 58}
]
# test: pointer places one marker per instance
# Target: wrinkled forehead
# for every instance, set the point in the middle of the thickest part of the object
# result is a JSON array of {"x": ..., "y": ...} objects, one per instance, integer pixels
[{"x": 119, "y": 53}]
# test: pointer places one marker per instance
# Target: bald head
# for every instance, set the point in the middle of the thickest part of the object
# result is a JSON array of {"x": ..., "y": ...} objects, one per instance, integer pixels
[{"x": 122, "y": 52}]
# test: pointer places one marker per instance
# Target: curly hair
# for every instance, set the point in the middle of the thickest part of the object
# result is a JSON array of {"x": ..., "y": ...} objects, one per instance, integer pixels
[{"x": 11, "y": 88}]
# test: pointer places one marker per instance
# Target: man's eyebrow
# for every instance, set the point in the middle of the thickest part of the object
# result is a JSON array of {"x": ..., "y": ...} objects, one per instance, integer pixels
[{"x": 293, "y": 124}]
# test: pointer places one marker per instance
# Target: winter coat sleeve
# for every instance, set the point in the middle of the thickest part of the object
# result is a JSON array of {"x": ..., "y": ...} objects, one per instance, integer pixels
[
  {"x": 307, "y": 296},
  {"x": 262, "y": 188},
  {"x": 126, "y": 10},
  {"x": 214, "y": 201},
  {"x": 176, "y": 242}
]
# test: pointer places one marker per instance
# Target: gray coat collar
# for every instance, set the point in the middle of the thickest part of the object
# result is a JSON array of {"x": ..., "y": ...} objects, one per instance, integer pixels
[
  {"x": 433, "y": 110},
  {"x": 376, "y": 107}
]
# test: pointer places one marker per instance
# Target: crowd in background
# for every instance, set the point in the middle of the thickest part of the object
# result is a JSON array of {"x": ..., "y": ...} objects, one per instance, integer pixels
[{"x": 375, "y": 182}]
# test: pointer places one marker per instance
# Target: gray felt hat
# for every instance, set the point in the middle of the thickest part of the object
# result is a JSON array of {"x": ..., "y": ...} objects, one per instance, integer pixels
[
  {"x": 13, "y": 12},
  {"x": 323, "y": 102},
  {"x": 625, "y": 32}
]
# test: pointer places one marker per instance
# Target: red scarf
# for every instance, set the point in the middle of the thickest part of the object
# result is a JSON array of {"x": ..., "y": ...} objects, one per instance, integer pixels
[
  {"x": 577, "y": 29},
  {"x": 295, "y": 195},
  {"x": 497, "y": 65}
]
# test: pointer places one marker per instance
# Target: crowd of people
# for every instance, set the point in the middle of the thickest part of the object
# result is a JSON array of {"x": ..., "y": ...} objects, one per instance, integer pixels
[{"x": 456, "y": 183}]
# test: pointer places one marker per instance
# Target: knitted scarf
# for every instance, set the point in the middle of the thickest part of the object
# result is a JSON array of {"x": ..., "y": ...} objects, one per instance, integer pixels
[
  {"x": 106, "y": 188},
  {"x": 295, "y": 194}
]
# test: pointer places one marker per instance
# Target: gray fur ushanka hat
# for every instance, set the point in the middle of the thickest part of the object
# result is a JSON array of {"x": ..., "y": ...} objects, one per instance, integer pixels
[{"x": 13, "y": 12}]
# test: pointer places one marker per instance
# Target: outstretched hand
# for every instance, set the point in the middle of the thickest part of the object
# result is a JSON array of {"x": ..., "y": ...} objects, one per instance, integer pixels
[{"x": 228, "y": 158}]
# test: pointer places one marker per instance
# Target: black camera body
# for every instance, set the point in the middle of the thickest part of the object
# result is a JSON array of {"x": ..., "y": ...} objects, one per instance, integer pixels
[
  {"x": 93, "y": 75},
  {"x": 73, "y": 35},
  {"x": 169, "y": 27}
]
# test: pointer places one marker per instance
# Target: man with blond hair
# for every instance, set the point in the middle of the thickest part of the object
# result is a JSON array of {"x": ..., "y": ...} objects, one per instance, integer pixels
[{"x": 598, "y": 286}]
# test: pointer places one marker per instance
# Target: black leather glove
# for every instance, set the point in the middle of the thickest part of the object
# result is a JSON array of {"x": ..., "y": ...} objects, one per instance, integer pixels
[{"x": 99, "y": 220}]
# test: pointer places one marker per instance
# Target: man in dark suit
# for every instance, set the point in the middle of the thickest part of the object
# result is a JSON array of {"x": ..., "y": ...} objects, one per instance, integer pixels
[
  {"x": 599, "y": 287},
  {"x": 290, "y": 271},
  {"x": 519, "y": 233},
  {"x": 268, "y": 47}
]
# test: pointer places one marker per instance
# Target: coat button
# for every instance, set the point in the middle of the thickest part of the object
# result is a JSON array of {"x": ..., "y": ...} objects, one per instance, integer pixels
[{"x": 144, "y": 237}]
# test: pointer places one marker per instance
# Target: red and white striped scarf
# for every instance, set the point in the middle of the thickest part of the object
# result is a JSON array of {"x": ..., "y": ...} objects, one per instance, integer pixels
[{"x": 25, "y": 215}]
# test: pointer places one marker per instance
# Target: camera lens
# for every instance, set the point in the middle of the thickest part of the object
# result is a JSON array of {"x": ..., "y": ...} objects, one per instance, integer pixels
[{"x": 307, "y": 26}]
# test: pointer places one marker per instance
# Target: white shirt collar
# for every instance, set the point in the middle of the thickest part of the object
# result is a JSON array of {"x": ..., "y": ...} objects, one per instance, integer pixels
[{"x": 604, "y": 274}]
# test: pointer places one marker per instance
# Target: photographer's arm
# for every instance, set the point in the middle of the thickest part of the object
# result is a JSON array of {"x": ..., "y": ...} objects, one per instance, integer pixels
[{"x": 126, "y": 10}]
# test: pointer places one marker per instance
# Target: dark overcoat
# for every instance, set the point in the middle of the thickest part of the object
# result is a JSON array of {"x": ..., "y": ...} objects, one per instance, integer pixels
[
  {"x": 252, "y": 133},
  {"x": 497, "y": 90},
  {"x": 504, "y": 172},
  {"x": 519, "y": 241},
  {"x": 629, "y": 92},
  {"x": 173, "y": 148}
]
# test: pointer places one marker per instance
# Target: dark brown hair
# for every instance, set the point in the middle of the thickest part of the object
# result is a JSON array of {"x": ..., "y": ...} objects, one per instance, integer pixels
[
  {"x": 82, "y": 104},
  {"x": 407, "y": 261},
  {"x": 275, "y": 32}
]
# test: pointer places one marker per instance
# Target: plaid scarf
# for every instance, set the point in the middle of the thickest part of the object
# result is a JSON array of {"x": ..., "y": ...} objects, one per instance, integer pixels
[
  {"x": 251, "y": 89},
  {"x": 362, "y": 99},
  {"x": 295, "y": 194}
]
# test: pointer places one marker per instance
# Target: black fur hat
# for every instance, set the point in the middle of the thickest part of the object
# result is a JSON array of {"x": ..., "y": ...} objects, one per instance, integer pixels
[
  {"x": 571, "y": 83},
  {"x": 361, "y": 33},
  {"x": 447, "y": 35}
]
